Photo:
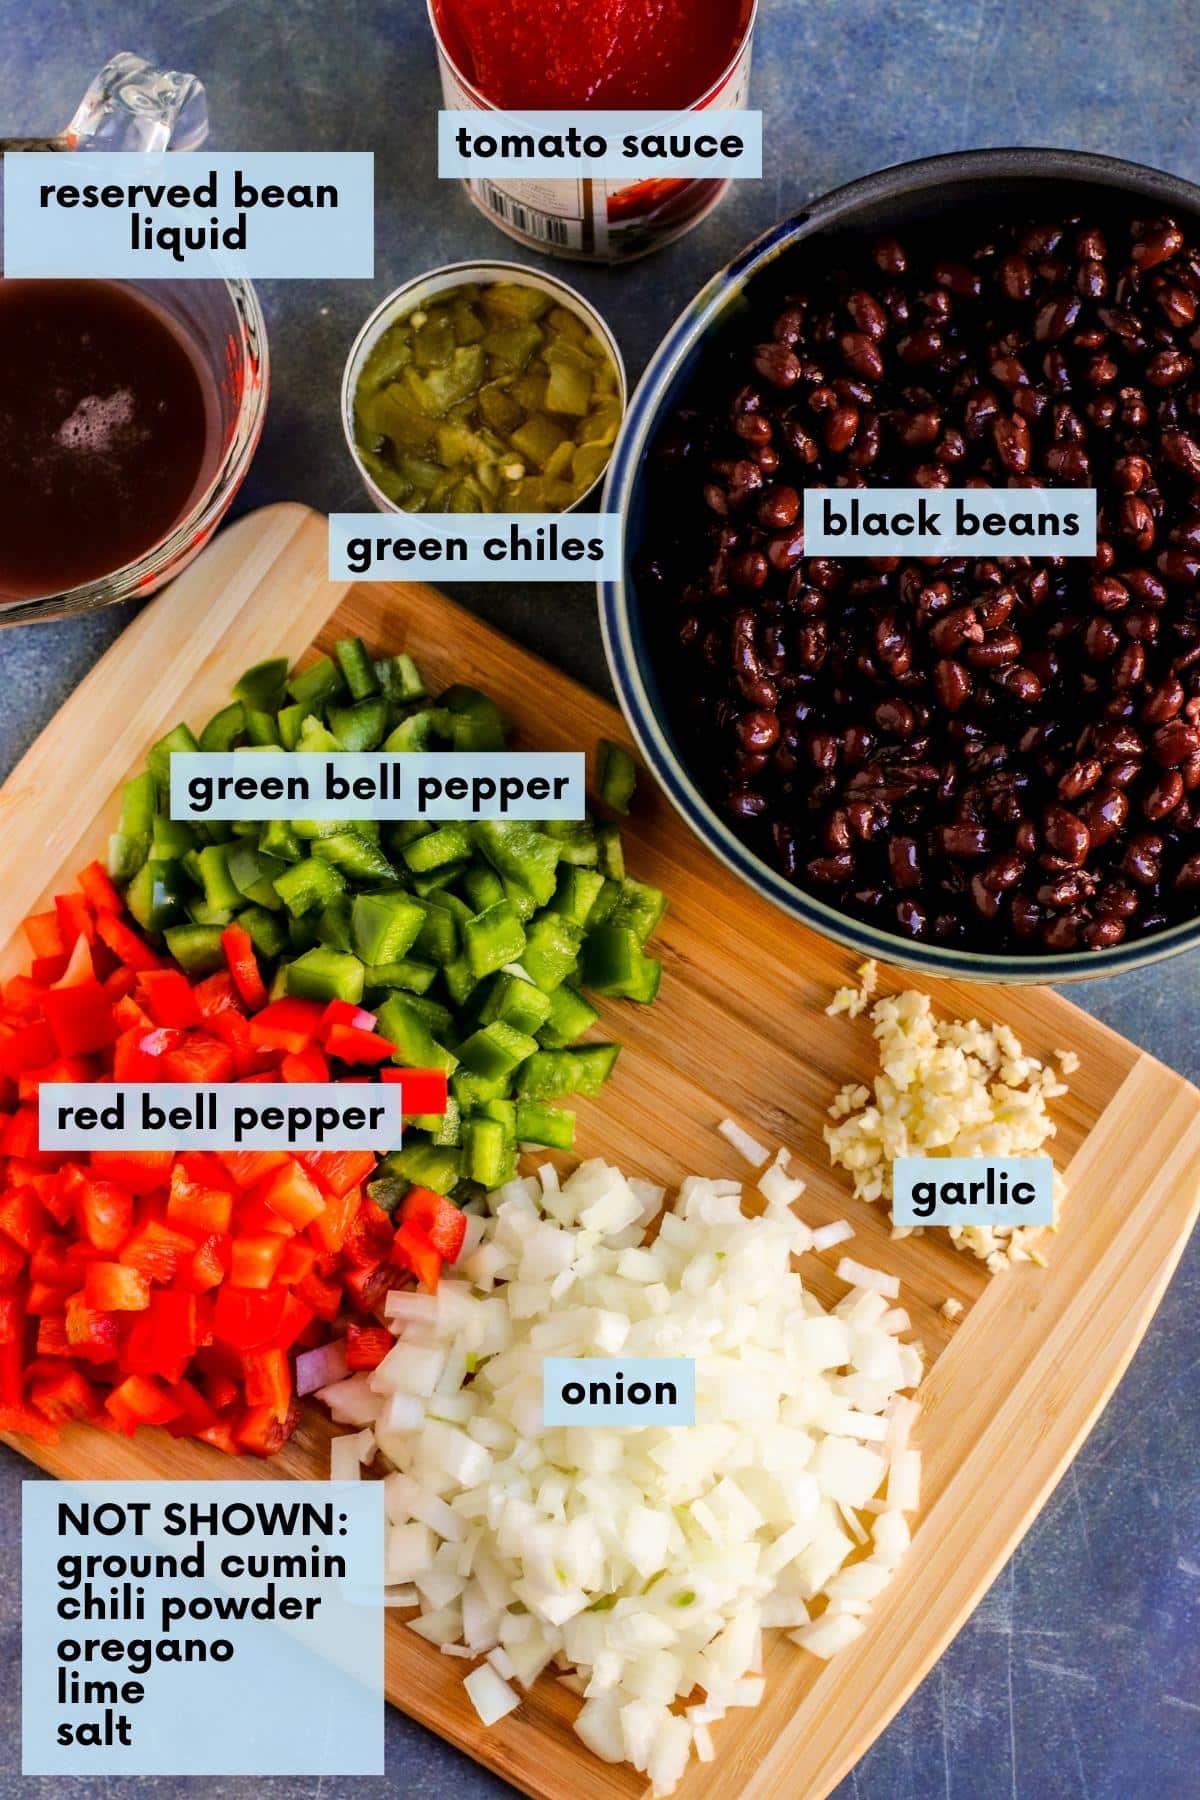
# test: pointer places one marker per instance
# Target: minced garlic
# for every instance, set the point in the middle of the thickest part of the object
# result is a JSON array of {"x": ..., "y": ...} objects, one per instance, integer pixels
[
  {"x": 853, "y": 1001},
  {"x": 944, "y": 1088}
]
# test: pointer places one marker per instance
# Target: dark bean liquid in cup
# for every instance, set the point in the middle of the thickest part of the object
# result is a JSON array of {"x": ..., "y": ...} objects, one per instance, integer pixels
[{"x": 107, "y": 432}]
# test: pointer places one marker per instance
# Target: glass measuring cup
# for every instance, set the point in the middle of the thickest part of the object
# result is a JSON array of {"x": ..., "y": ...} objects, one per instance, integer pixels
[{"x": 133, "y": 106}]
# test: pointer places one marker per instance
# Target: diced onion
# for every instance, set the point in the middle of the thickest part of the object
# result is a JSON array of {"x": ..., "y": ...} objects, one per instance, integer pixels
[
  {"x": 875, "y": 1281},
  {"x": 321, "y": 1367},
  {"x": 644, "y": 1564},
  {"x": 824, "y": 1237},
  {"x": 755, "y": 1153},
  {"x": 348, "y": 1453},
  {"x": 490, "y": 1696}
]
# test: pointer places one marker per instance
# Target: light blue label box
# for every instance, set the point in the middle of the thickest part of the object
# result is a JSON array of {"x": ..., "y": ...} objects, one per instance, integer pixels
[
  {"x": 949, "y": 521},
  {"x": 75, "y": 216},
  {"x": 614, "y": 1390},
  {"x": 973, "y": 1190},
  {"x": 376, "y": 784},
  {"x": 599, "y": 146},
  {"x": 263, "y": 1115},
  {"x": 297, "y": 1694},
  {"x": 475, "y": 546}
]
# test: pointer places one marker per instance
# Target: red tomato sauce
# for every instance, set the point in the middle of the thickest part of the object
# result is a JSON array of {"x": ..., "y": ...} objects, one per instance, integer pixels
[{"x": 553, "y": 55}]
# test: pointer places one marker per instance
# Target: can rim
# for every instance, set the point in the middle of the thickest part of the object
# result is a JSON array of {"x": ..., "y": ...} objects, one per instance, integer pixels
[
  {"x": 486, "y": 105},
  {"x": 455, "y": 274}
]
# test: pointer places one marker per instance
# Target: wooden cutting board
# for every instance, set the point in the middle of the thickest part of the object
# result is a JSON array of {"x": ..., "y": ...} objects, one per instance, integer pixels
[{"x": 739, "y": 1029}]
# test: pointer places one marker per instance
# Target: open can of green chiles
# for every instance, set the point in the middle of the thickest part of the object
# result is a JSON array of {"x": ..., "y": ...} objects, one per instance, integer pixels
[{"x": 483, "y": 387}]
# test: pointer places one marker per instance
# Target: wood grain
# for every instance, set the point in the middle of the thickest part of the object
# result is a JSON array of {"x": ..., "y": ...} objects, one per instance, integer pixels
[{"x": 739, "y": 1028}]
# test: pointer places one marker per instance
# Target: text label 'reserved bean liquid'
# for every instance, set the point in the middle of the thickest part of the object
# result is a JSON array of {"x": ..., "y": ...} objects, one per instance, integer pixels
[{"x": 107, "y": 432}]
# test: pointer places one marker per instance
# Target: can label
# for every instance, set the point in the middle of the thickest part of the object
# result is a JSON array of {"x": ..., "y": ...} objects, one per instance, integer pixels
[{"x": 601, "y": 221}]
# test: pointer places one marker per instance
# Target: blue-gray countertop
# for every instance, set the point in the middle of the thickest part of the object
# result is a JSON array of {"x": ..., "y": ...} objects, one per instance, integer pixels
[{"x": 1079, "y": 1676}]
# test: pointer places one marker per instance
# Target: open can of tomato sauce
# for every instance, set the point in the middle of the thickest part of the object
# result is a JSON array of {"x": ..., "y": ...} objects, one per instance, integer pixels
[{"x": 663, "y": 56}]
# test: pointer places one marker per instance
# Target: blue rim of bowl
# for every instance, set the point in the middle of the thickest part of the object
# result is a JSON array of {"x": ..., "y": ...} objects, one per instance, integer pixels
[{"x": 643, "y": 417}]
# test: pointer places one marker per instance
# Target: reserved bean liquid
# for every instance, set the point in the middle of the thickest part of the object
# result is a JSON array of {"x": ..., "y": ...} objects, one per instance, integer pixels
[{"x": 107, "y": 431}]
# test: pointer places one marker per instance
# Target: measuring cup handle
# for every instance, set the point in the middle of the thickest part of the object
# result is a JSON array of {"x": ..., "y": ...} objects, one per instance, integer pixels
[{"x": 133, "y": 106}]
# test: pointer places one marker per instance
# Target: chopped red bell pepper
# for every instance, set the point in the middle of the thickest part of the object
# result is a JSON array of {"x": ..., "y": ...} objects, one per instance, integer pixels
[
  {"x": 25, "y": 1422},
  {"x": 61, "y": 1395},
  {"x": 44, "y": 932},
  {"x": 141, "y": 1400},
  {"x": 90, "y": 1334},
  {"x": 131, "y": 1060},
  {"x": 12, "y": 1319},
  {"x": 367, "y": 1345},
  {"x": 421, "y": 1090},
  {"x": 249, "y": 1058},
  {"x": 256, "y": 1218},
  {"x": 84, "y": 966},
  {"x": 31, "y": 1047},
  {"x": 23, "y": 1218},
  {"x": 337, "y": 1171},
  {"x": 217, "y": 994},
  {"x": 95, "y": 883},
  {"x": 413, "y": 1250},
  {"x": 329, "y": 1229},
  {"x": 254, "y": 1260},
  {"x": 104, "y": 1210},
  {"x": 168, "y": 998},
  {"x": 52, "y": 1337},
  {"x": 367, "y": 1287},
  {"x": 113, "y": 1287},
  {"x": 198, "y": 1212},
  {"x": 12, "y": 1263},
  {"x": 292, "y": 1194},
  {"x": 203, "y": 1167},
  {"x": 248, "y": 1167},
  {"x": 125, "y": 943},
  {"x": 75, "y": 918},
  {"x": 199, "y": 1058},
  {"x": 243, "y": 966},
  {"x": 296, "y": 1261},
  {"x": 309, "y": 1064},
  {"x": 323, "y": 1296},
  {"x": 443, "y": 1223},
  {"x": 268, "y": 1380},
  {"x": 141, "y": 1171},
  {"x": 344, "y": 1012},
  {"x": 58, "y": 1263},
  {"x": 296, "y": 1320},
  {"x": 156, "y": 1251},
  {"x": 209, "y": 1265},
  {"x": 350, "y": 1045},
  {"x": 81, "y": 1018},
  {"x": 287, "y": 1024},
  {"x": 119, "y": 983},
  {"x": 22, "y": 998},
  {"x": 370, "y": 1236},
  {"x": 21, "y": 1138},
  {"x": 262, "y": 1431},
  {"x": 248, "y": 1318},
  {"x": 195, "y": 1414},
  {"x": 46, "y": 970},
  {"x": 65, "y": 1068},
  {"x": 163, "y": 1337}
]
